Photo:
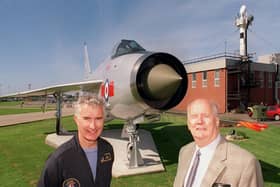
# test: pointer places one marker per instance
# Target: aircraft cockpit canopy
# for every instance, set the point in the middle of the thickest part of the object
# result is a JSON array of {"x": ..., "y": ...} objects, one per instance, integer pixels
[{"x": 125, "y": 47}]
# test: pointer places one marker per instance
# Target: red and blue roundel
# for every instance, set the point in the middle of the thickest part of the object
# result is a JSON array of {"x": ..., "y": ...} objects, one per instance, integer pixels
[{"x": 107, "y": 89}]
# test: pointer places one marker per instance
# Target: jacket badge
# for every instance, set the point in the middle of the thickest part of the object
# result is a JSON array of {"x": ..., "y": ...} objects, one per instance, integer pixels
[
  {"x": 106, "y": 157},
  {"x": 71, "y": 182}
]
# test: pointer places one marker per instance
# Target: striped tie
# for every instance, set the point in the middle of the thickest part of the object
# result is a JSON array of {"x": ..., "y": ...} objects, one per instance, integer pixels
[{"x": 193, "y": 170}]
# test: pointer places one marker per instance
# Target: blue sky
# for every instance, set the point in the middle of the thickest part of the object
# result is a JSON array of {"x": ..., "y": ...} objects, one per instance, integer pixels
[{"x": 41, "y": 41}]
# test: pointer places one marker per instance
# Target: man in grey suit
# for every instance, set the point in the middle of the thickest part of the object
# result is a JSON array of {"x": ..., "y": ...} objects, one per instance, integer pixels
[{"x": 218, "y": 162}]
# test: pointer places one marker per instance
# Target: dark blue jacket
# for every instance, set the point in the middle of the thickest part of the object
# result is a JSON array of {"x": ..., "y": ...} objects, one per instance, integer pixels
[{"x": 69, "y": 165}]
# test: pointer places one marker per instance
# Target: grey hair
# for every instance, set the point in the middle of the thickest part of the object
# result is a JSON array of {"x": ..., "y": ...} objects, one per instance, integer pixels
[
  {"x": 215, "y": 108},
  {"x": 87, "y": 98}
]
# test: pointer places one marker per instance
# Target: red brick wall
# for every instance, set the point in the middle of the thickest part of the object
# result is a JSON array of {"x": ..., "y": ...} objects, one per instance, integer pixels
[{"x": 217, "y": 94}]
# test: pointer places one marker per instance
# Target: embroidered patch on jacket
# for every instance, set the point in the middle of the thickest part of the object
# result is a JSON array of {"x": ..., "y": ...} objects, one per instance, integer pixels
[
  {"x": 71, "y": 182},
  {"x": 106, "y": 157}
]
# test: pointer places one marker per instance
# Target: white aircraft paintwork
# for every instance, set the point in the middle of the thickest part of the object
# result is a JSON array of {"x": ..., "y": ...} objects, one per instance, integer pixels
[{"x": 142, "y": 82}]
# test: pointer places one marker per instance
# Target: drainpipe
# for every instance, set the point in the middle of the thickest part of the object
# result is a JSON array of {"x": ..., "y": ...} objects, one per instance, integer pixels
[{"x": 277, "y": 82}]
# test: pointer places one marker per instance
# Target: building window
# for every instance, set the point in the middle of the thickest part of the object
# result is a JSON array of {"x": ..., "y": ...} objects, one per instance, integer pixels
[
  {"x": 261, "y": 78},
  {"x": 193, "y": 80},
  {"x": 217, "y": 78},
  {"x": 269, "y": 80},
  {"x": 204, "y": 79}
]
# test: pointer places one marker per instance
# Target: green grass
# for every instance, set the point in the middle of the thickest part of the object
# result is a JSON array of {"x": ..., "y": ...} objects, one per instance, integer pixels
[
  {"x": 266, "y": 147},
  {"x": 9, "y": 103},
  {"x": 6, "y": 111},
  {"x": 14, "y": 107},
  {"x": 23, "y": 151}
]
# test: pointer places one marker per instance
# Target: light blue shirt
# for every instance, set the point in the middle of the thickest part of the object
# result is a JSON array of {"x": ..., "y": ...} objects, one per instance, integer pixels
[{"x": 91, "y": 154}]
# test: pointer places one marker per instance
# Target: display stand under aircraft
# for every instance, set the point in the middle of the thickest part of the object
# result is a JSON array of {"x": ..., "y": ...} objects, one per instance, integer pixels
[{"x": 136, "y": 85}]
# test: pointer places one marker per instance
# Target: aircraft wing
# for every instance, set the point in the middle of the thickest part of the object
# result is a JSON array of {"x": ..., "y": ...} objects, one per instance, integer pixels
[{"x": 91, "y": 86}]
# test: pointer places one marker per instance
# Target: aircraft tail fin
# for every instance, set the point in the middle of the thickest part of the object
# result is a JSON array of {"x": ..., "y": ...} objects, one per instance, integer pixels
[{"x": 86, "y": 63}]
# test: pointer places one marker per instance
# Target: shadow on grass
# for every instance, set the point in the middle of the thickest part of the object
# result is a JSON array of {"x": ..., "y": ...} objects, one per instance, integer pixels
[
  {"x": 168, "y": 138},
  {"x": 270, "y": 172}
]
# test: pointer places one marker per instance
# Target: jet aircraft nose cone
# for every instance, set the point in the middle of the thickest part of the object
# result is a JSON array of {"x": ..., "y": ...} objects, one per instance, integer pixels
[{"x": 163, "y": 81}]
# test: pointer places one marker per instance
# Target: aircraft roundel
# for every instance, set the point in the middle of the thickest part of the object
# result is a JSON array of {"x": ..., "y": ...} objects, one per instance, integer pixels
[{"x": 106, "y": 90}]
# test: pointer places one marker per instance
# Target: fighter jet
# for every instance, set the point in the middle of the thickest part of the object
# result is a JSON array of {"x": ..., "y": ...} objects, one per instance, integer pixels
[{"x": 134, "y": 82}]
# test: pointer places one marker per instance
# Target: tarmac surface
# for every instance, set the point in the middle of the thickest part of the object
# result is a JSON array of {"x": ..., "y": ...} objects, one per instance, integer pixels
[
  {"x": 233, "y": 118},
  {"x": 13, "y": 119}
]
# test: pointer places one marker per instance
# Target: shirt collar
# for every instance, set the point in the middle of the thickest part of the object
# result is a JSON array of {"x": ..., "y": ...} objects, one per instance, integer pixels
[{"x": 210, "y": 147}]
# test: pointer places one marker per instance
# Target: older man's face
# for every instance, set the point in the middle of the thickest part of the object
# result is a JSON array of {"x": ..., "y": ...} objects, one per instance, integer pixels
[{"x": 202, "y": 122}]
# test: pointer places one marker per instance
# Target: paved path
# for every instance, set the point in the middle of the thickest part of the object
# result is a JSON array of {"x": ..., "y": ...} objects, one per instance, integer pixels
[
  {"x": 234, "y": 118},
  {"x": 13, "y": 119}
]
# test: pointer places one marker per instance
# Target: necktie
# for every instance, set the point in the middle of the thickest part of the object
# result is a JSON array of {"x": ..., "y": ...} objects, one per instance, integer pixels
[{"x": 193, "y": 170}]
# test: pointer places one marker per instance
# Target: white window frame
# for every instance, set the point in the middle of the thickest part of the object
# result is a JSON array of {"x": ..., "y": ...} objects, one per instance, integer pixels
[
  {"x": 193, "y": 80},
  {"x": 204, "y": 79},
  {"x": 217, "y": 75}
]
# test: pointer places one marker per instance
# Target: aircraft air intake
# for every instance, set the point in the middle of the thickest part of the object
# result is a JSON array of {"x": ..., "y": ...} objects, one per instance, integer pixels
[{"x": 160, "y": 80}]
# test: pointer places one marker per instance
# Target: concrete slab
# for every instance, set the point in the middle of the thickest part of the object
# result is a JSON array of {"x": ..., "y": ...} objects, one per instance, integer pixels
[
  {"x": 55, "y": 140},
  {"x": 147, "y": 148}
]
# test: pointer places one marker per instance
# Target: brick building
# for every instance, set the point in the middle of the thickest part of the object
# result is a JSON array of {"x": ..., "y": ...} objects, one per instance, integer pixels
[{"x": 230, "y": 82}]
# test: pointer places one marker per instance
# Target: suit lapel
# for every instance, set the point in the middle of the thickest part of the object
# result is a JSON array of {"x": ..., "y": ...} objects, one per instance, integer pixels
[
  {"x": 186, "y": 161},
  {"x": 217, "y": 164}
]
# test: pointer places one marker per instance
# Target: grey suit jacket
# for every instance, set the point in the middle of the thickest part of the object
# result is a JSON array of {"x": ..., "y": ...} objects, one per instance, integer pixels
[{"x": 229, "y": 165}]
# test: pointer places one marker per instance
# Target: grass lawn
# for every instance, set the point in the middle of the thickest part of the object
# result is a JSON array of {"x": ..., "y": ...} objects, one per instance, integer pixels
[
  {"x": 23, "y": 151},
  {"x": 10, "y": 103},
  {"x": 13, "y": 107},
  {"x": 6, "y": 111}
]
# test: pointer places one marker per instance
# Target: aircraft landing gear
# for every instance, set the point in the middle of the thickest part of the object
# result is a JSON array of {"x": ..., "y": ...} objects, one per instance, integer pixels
[
  {"x": 59, "y": 129},
  {"x": 133, "y": 154}
]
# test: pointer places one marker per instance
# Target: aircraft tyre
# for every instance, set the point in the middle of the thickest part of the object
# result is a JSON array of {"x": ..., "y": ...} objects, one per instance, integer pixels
[{"x": 129, "y": 148}]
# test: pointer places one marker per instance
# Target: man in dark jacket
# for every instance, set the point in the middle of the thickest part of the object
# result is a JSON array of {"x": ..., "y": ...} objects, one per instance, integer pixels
[{"x": 87, "y": 159}]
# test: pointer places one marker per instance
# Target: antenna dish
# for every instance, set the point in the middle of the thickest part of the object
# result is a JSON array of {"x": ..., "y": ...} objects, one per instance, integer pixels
[{"x": 242, "y": 10}]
